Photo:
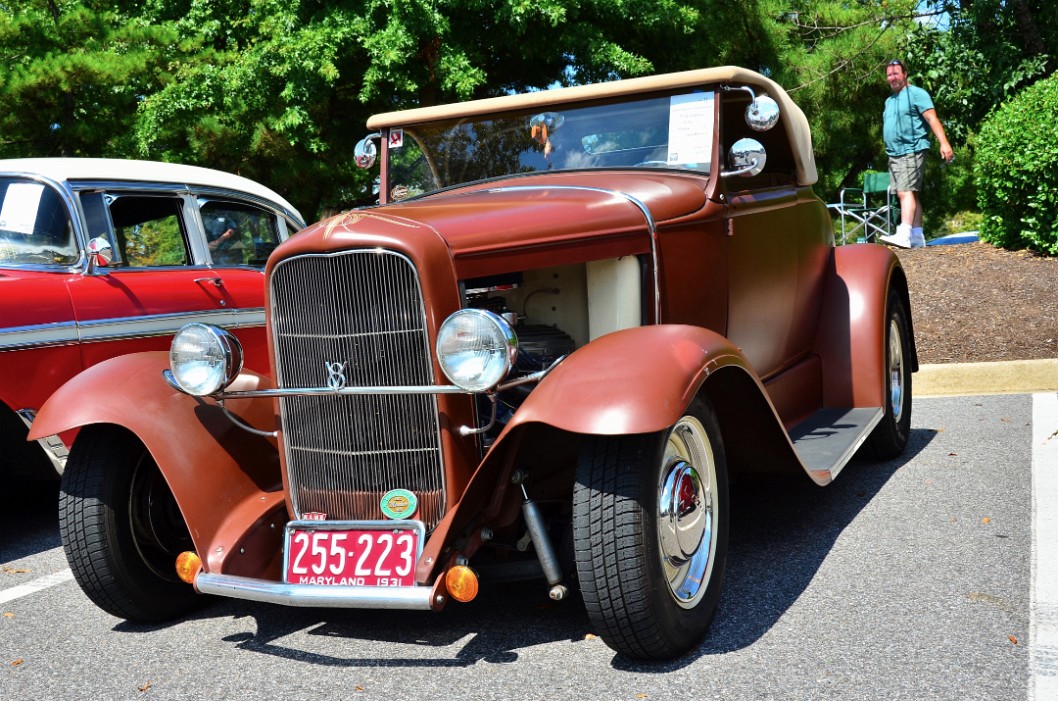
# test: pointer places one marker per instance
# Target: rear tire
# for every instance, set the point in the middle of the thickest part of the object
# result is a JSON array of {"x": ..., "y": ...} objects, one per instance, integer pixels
[
  {"x": 890, "y": 437},
  {"x": 121, "y": 528},
  {"x": 650, "y": 519}
]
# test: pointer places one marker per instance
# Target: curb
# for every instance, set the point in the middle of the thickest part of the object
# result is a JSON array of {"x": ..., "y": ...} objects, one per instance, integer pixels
[{"x": 1011, "y": 377}]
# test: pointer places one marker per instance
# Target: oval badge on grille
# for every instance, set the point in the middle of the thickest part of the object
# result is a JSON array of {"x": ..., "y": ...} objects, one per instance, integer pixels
[{"x": 399, "y": 504}]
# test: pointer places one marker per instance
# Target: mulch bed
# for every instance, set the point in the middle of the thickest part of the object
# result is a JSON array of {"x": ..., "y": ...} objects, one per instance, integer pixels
[{"x": 973, "y": 302}]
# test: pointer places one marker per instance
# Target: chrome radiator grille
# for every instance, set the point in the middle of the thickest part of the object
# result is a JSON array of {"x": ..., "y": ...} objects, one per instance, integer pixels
[{"x": 359, "y": 314}]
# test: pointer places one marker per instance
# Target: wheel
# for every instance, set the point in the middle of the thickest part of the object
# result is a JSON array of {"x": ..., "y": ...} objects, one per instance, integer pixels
[
  {"x": 650, "y": 534},
  {"x": 889, "y": 438},
  {"x": 121, "y": 528}
]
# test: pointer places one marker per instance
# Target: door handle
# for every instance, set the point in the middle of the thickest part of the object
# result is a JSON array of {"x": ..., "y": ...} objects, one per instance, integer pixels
[{"x": 216, "y": 282}]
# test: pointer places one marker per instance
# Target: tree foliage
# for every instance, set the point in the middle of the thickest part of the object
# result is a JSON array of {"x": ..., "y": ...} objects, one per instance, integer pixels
[
  {"x": 279, "y": 90},
  {"x": 990, "y": 50},
  {"x": 72, "y": 76}
]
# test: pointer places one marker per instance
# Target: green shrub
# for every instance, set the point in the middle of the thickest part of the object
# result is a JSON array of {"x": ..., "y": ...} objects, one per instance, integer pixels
[{"x": 1016, "y": 170}]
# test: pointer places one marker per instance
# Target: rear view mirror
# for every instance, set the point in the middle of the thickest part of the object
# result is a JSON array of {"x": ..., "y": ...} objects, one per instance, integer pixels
[
  {"x": 746, "y": 158},
  {"x": 366, "y": 152},
  {"x": 762, "y": 113}
]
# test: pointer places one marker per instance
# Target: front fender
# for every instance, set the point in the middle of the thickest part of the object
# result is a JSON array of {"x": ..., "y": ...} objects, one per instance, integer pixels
[
  {"x": 226, "y": 481},
  {"x": 638, "y": 380}
]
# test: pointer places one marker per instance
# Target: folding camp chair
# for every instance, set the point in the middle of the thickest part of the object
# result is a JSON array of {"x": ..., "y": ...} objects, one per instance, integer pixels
[{"x": 875, "y": 212}]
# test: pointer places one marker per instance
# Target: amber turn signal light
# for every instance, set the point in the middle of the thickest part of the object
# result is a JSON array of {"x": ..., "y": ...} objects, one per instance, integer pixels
[
  {"x": 187, "y": 566},
  {"x": 462, "y": 583}
]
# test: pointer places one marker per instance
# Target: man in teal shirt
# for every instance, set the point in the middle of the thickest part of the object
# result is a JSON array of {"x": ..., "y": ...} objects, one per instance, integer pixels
[{"x": 908, "y": 119}]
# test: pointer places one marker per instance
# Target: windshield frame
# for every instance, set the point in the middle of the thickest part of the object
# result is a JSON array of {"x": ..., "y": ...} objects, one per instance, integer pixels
[{"x": 542, "y": 147}]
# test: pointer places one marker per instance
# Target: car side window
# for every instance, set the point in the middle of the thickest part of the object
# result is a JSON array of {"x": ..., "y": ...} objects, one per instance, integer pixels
[
  {"x": 35, "y": 226},
  {"x": 238, "y": 233},
  {"x": 148, "y": 230}
]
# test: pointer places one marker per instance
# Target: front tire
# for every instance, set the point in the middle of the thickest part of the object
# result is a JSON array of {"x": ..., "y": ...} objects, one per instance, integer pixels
[
  {"x": 121, "y": 528},
  {"x": 890, "y": 437},
  {"x": 650, "y": 519}
]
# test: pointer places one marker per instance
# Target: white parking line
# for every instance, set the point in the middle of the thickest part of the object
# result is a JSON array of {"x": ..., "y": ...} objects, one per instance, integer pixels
[
  {"x": 36, "y": 585},
  {"x": 1043, "y": 610}
]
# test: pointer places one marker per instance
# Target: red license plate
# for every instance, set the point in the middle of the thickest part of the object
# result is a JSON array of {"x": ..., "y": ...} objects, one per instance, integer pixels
[{"x": 367, "y": 558}]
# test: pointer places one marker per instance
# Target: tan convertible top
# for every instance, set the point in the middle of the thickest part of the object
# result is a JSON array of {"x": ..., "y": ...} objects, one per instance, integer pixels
[{"x": 793, "y": 118}]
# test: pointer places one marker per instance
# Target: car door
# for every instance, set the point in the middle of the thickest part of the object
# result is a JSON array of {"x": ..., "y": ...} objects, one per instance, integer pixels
[
  {"x": 779, "y": 243},
  {"x": 146, "y": 283},
  {"x": 38, "y": 333},
  {"x": 239, "y": 236}
]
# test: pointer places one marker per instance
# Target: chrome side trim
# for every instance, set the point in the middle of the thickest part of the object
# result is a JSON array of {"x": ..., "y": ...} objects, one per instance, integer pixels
[
  {"x": 118, "y": 329},
  {"x": 419, "y": 598},
  {"x": 53, "y": 446},
  {"x": 38, "y": 335}
]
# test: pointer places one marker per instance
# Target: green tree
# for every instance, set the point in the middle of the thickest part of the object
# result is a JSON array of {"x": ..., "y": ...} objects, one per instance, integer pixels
[
  {"x": 832, "y": 62},
  {"x": 72, "y": 74},
  {"x": 988, "y": 51},
  {"x": 280, "y": 91}
]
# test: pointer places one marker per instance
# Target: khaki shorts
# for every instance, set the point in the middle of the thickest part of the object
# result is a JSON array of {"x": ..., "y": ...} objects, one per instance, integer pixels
[{"x": 906, "y": 171}]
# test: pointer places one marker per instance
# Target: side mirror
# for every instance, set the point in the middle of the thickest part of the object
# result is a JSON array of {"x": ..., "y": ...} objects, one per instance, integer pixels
[
  {"x": 746, "y": 158},
  {"x": 762, "y": 113},
  {"x": 100, "y": 254},
  {"x": 365, "y": 153}
]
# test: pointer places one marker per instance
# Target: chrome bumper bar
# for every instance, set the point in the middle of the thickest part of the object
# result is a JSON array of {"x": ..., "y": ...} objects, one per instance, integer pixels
[{"x": 419, "y": 598}]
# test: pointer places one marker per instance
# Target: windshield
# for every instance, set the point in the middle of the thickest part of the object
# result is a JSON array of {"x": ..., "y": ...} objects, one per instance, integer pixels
[
  {"x": 659, "y": 132},
  {"x": 35, "y": 228}
]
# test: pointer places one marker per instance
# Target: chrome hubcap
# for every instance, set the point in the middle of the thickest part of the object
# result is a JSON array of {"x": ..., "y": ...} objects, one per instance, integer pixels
[
  {"x": 687, "y": 511},
  {"x": 896, "y": 371}
]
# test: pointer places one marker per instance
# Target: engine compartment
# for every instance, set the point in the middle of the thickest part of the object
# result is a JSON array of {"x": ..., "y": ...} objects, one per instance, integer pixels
[{"x": 553, "y": 311}]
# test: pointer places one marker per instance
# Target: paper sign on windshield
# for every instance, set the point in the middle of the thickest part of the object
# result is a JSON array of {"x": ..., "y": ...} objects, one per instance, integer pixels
[
  {"x": 19, "y": 212},
  {"x": 690, "y": 128}
]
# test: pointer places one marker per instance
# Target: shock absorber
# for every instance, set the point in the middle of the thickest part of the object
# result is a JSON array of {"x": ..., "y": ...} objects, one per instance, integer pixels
[{"x": 534, "y": 521}]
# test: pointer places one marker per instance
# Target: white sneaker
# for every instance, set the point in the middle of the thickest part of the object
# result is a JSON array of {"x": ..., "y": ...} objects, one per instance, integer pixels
[
  {"x": 901, "y": 239},
  {"x": 918, "y": 239}
]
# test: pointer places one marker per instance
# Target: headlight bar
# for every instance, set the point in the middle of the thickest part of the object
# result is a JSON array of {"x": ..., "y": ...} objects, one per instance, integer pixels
[{"x": 328, "y": 392}]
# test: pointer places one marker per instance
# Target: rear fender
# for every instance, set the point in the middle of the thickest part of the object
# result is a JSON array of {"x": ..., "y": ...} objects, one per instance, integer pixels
[
  {"x": 851, "y": 338},
  {"x": 226, "y": 481}
]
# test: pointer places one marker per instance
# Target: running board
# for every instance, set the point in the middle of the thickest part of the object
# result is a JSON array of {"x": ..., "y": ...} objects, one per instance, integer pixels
[{"x": 828, "y": 439}]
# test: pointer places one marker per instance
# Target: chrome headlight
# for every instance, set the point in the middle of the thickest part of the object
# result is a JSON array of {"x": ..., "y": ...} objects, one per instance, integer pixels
[
  {"x": 204, "y": 359},
  {"x": 476, "y": 349}
]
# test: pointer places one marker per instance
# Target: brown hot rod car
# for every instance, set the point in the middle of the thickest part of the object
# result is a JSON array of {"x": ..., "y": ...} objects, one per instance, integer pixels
[{"x": 573, "y": 316}]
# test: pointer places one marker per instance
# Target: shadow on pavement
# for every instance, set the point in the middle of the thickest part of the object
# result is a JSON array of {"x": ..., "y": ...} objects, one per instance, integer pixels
[
  {"x": 781, "y": 532},
  {"x": 29, "y": 519}
]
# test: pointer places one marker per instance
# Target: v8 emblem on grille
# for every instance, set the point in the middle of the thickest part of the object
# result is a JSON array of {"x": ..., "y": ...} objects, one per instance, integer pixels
[{"x": 335, "y": 375}]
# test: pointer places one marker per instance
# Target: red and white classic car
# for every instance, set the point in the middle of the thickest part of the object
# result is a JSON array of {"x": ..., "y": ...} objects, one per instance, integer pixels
[
  {"x": 102, "y": 257},
  {"x": 573, "y": 317}
]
